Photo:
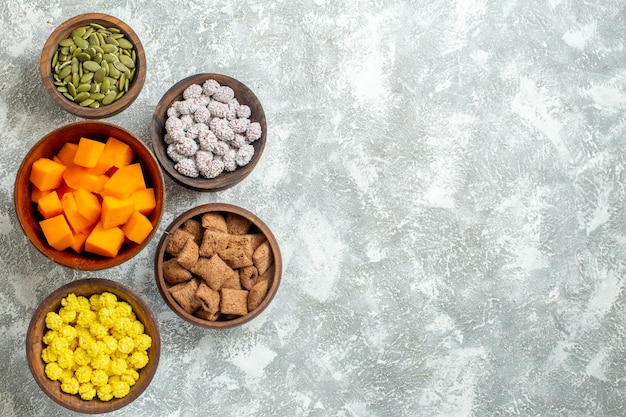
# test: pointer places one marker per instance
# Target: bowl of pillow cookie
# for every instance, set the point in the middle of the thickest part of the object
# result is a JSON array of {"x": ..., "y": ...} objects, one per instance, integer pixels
[
  {"x": 208, "y": 132},
  {"x": 218, "y": 265}
]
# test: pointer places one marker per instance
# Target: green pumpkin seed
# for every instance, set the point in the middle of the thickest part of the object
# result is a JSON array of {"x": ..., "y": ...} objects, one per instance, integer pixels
[
  {"x": 80, "y": 42},
  {"x": 83, "y": 56},
  {"x": 58, "y": 83},
  {"x": 122, "y": 81},
  {"x": 97, "y": 59},
  {"x": 109, "y": 98},
  {"x": 97, "y": 26},
  {"x": 95, "y": 88},
  {"x": 75, "y": 65},
  {"x": 66, "y": 42},
  {"x": 71, "y": 89},
  {"x": 65, "y": 71},
  {"x": 120, "y": 66},
  {"x": 55, "y": 59},
  {"x": 119, "y": 95},
  {"x": 81, "y": 96},
  {"x": 88, "y": 32},
  {"x": 98, "y": 49},
  {"x": 112, "y": 41},
  {"x": 79, "y": 32},
  {"x": 95, "y": 105},
  {"x": 125, "y": 43},
  {"x": 68, "y": 96},
  {"x": 83, "y": 88},
  {"x": 86, "y": 102},
  {"x": 110, "y": 49},
  {"x": 91, "y": 66},
  {"x": 75, "y": 79},
  {"x": 114, "y": 72},
  {"x": 127, "y": 61},
  {"x": 97, "y": 96},
  {"x": 113, "y": 30},
  {"x": 86, "y": 78},
  {"x": 62, "y": 89},
  {"x": 110, "y": 57},
  {"x": 93, "y": 40},
  {"x": 106, "y": 85},
  {"x": 99, "y": 75}
]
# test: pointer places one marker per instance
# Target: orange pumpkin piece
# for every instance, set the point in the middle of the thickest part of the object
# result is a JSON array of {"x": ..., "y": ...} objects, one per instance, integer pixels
[
  {"x": 116, "y": 212},
  {"x": 102, "y": 179},
  {"x": 46, "y": 174},
  {"x": 88, "y": 204},
  {"x": 67, "y": 153},
  {"x": 118, "y": 152},
  {"x": 36, "y": 194},
  {"x": 76, "y": 176},
  {"x": 79, "y": 240},
  {"x": 145, "y": 201},
  {"x": 124, "y": 182},
  {"x": 50, "y": 205},
  {"x": 57, "y": 232},
  {"x": 104, "y": 241},
  {"x": 88, "y": 152},
  {"x": 137, "y": 228},
  {"x": 76, "y": 220}
]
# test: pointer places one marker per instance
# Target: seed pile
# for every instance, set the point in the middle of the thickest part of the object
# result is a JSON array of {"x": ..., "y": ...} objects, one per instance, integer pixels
[
  {"x": 209, "y": 131},
  {"x": 94, "y": 66}
]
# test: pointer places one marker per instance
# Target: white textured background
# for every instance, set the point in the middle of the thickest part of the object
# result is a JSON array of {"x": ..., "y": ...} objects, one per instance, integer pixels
[{"x": 446, "y": 181}]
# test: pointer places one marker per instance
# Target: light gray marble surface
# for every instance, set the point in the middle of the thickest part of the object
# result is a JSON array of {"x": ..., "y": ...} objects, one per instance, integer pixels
[{"x": 445, "y": 179}]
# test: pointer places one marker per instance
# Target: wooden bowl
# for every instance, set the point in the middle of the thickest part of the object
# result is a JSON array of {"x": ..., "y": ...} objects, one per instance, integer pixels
[
  {"x": 257, "y": 226},
  {"x": 62, "y": 32},
  {"x": 49, "y": 145},
  {"x": 157, "y": 132},
  {"x": 35, "y": 345}
]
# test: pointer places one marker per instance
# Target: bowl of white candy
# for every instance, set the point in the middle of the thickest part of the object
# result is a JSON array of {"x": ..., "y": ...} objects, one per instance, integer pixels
[{"x": 208, "y": 132}]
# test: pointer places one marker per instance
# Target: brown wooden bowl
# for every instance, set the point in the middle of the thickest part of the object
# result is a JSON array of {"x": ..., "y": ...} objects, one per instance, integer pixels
[
  {"x": 35, "y": 345},
  {"x": 61, "y": 32},
  {"x": 258, "y": 226},
  {"x": 49, "y": 145},
  {"x": 157, "y": 132}
]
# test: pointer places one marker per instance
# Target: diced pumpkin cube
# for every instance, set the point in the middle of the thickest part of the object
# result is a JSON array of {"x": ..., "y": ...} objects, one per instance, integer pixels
[
  {"x": 124, "y": 181},
  {"x": 145, "y": 201},
  {"x": 79, "y": 240},
  {"x": 116, "y": 212},
  {"x": 50, "y": 205},
  {"x": 46, "y": 174},
  {"x": 88, "y": 152},
  {"x": 57, "y": 232},
  {"x": 88, "y": 204},
  {"x": 64, "y": 188},
  {"x": 137, "y": 228},
  {"x": 102, "y": 166},
  {"x": 104, "y": 241},
  {"x": 77, "y": 177},
  {"x": 76, "y": 220},
  {"x": 36, "y": 194},
  {"x": 67, "y": 153},
  {"x": 102, "y": 179},
  {"x": 119, "y": 152}
]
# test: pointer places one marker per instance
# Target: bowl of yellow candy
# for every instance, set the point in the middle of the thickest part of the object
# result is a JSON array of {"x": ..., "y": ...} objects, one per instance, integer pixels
[{"x": 93, "y": 346}]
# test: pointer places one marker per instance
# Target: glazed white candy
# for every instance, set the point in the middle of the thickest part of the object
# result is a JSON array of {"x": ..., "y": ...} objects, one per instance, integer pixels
[
  {"x": 209, "y": 131},
  {"x": 187, "y": 167}
]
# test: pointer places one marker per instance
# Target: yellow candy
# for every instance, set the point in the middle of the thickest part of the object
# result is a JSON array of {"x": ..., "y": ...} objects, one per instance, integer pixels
[
  {"x": 87, "y": 391},
  {"x": 94, "y": 346},
  {"x": 105, "y": 392}
]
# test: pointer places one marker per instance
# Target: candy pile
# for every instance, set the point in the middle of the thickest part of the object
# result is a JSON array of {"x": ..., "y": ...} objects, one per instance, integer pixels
[{"x": 209, "y": 131}]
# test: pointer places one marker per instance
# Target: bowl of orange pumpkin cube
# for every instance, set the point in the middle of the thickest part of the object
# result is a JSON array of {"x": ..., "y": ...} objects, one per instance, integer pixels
[{"x": 89, "y": 195}]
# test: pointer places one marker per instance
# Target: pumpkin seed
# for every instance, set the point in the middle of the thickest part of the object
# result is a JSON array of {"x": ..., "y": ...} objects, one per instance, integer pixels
[
  {"x": 113, "y": 30},
  {"x": 62, "y": 89},
  {"x": 97, "y": 96},
  {"x": 86, "y": 102},
  {"x": 83, "y": 88},
  {"x": 87, "y": 77},
  {"x": 66, "y": 42},
  {"x": 108, "y": 48},
  {"x": 109, "y": 98},
  {"x": 125, "y": 43},
  {"x": 95, "y": 105},
  {"x": 65, "y": 71},
  {"x": 96, "y": 26},
  {"x": 75, "y": 79},
  {"x": 106, "y": 85},
  {"x": 78, "y": 32},
  {"x": 99, "y": 75},
  {"x": 71, "y": 89},
  {"x": 81, "y": 96},
  {"x": 91, "y": 66},
  {"x": 80, "y": 42},
  {"x": 68, "y": 96}
]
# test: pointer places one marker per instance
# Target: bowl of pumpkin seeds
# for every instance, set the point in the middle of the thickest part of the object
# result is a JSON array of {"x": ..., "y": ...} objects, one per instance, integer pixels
[{"x": 93, "y": 65}]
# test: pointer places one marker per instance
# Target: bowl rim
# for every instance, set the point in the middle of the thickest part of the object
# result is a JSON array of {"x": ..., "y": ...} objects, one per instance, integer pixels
[
  {"x": 157, "y": 126},
  {"x": 33, "y": 350},
  {"x": 193, "y": 212},
  {"x": 24, "y": 207},
  {"x": 50, "y": 47}
]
